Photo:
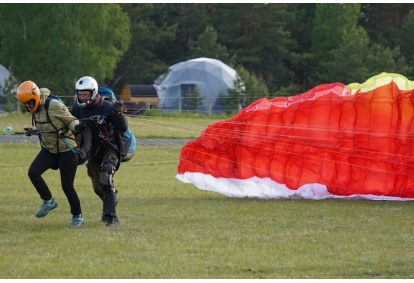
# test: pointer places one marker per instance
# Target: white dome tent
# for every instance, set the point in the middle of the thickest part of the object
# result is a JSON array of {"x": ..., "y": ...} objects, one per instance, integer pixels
[
  {"x": 211, "y": 76},
  {"x": 4, "y": 76}
]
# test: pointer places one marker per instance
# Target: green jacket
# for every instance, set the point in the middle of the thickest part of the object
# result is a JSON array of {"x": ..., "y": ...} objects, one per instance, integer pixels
[{"x": 61, "y": 118}]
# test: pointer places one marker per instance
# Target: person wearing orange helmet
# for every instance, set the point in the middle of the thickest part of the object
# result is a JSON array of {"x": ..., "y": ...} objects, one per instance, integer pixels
[{"x": 55, "y": 127}]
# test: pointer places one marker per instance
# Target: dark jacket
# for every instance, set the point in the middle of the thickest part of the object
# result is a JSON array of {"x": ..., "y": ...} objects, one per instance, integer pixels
[{"x": 105, "y": 131}]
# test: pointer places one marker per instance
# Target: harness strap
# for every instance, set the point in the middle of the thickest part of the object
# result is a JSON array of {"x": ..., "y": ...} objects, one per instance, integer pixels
[{"x": 59, "y": 133}]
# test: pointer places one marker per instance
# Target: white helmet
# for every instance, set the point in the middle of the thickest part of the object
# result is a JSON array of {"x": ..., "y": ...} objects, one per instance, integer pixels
[{"x": 87, "y": 83}]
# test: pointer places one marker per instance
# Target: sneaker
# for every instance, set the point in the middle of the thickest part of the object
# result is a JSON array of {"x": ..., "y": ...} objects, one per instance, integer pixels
[
  {"x": 77, "y": 220},
  {"x": 45, "y": 208},
  {"x": 112, "y": 221}
]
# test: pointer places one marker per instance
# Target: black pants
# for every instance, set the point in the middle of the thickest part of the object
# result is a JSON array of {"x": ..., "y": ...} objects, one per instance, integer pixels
[
  {"x": 67, "y": 165},
  {"x": 102, "y": 180}
]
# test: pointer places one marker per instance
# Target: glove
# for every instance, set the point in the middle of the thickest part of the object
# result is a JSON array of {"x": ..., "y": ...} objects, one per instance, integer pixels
[
  {"x": 117, "y": 107},
  {"x": 29, "y": 132},
  {"x": 81, "y": 127}
]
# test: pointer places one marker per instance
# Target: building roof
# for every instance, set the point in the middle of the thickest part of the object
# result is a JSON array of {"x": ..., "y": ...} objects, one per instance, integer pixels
[{"x": 143, "y": 91}]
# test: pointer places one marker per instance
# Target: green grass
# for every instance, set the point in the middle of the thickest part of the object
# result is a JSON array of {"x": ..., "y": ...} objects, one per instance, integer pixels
[
  {"x": 174, "y": 230},
  {"x": 171, "y": 126}
]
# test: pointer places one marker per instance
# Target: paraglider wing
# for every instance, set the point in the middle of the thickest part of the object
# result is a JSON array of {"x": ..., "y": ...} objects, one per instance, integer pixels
[{"x": 333, "y": 141}]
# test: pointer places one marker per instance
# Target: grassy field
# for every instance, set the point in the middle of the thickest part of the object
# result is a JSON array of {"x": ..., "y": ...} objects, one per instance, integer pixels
[
  {"x": 189, "y": 126},
  {"x": 172, "y": 230}
]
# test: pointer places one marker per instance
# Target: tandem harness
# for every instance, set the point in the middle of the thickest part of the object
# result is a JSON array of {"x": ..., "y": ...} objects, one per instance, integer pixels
[
  {"x": 103, "y": 129},
  {"x": 99, "y": 123}
]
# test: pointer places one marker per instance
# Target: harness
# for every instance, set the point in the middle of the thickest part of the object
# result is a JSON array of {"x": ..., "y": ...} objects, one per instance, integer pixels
[
  {"x": 99, "y": 124},
  {"x": 60, "y": 133},
  {"x": 103, "y": 132},
  {"x": 103, "y": 128}
]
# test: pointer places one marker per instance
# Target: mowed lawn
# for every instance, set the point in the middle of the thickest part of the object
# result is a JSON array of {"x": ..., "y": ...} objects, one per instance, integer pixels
[{"x": 172, "y": 230}]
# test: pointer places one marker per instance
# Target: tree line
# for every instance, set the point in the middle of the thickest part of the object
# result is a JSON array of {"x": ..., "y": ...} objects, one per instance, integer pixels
[{"x": 278, "y": 49}]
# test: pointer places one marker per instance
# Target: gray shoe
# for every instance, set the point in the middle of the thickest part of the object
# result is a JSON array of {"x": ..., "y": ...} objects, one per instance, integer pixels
[{"x": 76, "y": 220}]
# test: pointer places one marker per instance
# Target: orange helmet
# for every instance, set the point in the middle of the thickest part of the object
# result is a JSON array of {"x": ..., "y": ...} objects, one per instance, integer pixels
[{"x": 27, "y": 91}]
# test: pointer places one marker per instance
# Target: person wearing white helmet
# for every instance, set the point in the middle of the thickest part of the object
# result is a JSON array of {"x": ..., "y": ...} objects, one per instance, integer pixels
[
  {"x": 105, "y": 157},
  {"x": 55, "y": 127}
]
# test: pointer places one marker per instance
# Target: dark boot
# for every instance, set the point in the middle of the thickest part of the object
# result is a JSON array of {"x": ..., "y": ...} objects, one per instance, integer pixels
[
  {"x": 113, "y": 221},
  {"x": 105, "y": 218},
  {"x": 109, "y": 213}
]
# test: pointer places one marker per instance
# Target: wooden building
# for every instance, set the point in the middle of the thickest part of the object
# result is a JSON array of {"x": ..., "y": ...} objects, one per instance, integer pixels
[{"x": 140, "y": 94}]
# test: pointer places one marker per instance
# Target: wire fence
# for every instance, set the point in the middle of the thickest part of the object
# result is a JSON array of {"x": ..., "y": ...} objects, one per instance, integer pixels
[{"x": 206, "y": 105}]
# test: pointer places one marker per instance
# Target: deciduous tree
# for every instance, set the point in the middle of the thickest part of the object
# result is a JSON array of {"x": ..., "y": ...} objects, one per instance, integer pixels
[{"x": 55, "y": 44}]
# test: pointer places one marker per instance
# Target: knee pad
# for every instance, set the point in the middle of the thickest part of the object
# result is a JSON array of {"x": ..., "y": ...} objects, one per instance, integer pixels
[{"x": 107, "y": 173}]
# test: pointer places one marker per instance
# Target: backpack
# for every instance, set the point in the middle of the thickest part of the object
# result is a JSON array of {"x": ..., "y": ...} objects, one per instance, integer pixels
[
  {"x": 106, "y": 93},
  {"x": 132, "y": 146},
  {"x": 52, "y": 96}
]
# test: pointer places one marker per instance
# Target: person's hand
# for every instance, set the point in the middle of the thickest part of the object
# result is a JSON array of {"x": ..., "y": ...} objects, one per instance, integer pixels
[
  {"x": 82, "y": 126},
  {"x": 117, "y": 107},
  {"x": 29, "y": 132}
]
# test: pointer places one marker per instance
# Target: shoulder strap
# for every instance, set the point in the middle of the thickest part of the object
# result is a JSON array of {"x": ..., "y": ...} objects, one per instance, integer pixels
[
  {"x": 47, "y": 105},
  {"x": 47, "y": 113}
]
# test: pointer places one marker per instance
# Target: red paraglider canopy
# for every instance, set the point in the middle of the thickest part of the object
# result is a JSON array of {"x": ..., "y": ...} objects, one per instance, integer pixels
[{"x": 325, "y": 143}]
